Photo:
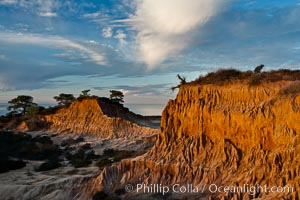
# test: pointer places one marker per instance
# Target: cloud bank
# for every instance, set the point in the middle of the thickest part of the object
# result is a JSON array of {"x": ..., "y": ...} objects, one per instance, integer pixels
[
  {"x": 53, "y": 41},
  {"x": 165, "y": 27}
]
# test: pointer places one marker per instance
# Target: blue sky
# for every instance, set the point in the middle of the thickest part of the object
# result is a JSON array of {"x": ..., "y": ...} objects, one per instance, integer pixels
[{"x": 138, "y": 46}]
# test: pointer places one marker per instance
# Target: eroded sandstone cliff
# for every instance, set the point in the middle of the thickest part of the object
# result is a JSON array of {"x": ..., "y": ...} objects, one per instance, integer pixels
[
  {"x": 230, "y": 134},
  {"x": 92, "y": 116}
]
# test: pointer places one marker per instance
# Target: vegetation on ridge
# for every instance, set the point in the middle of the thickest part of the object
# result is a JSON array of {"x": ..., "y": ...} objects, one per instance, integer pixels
[
  {"x": 21, "y": 104},
  {"x": 116, "y": 96},
  {"x": 253, "y": 78},
  {"x": 64, "y": 99}
]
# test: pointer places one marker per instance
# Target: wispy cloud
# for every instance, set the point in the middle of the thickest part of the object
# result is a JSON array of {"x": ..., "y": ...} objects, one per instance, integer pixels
[
  {"x": 48, "y": 14},
  {"x": 91, "y": 15},
  {"x": 8, "y": 2},
  {"x": 165, "y": 27},
  {"x": 44, "y": 8},
  {"x": 47, "y": 7},
  {"x": 121, "y": 36},
  {"x": 107, "y": 32},
  {"x": 148, "y": 89},
  {"x": 53, "y": 41}
]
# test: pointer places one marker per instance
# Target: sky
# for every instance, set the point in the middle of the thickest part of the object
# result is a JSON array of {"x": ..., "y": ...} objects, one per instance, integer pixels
[{"x": 49, "y": 47}]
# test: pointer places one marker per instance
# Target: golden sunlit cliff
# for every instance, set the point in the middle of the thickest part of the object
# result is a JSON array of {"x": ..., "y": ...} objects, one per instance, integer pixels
[
  {"x": 226, "y": 134},
  {"x": 92, "y": 116}
]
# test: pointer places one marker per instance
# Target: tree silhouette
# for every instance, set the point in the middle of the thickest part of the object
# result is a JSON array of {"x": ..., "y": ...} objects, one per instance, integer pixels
[
  {"x": 258, "y": 69},
  {"x": 84, "y": 93},
  {"x": 64, "y": 99},
  {"x": 21, "y": 102},
  {"x": 182, "y": 80},
  {"x": 116, "y": 96}
]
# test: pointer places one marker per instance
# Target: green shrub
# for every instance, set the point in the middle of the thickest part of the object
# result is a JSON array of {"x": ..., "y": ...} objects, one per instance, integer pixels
[
  {"x": 23, "y": 146},
  {"x": 103, "y": 163},
  {"x": 34, "y": 110},
  {"x": 49, "y": 165},
  {"x": 81, "y": 158},
  {"x": 42, "y": 139},
  {"x": 117, "y": 155},
  {"x": 7, "y": 164},
  {"x": 79, "y": 162},
  {"x": 91, "y": 155},
  {"x": 50, "y": 110},
  {"x": 110, "y": 155}
]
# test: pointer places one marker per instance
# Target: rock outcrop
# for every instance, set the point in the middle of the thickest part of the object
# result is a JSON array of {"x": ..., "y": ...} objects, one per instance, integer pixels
[
  {"x": 230, "y": 135},
  {"x": 93, "y": 116}
]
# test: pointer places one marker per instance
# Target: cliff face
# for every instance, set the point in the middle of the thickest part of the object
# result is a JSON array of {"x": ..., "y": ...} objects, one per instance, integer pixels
[
  {"x": 92, "y": 116},
  {"x": 226, "y": 135}
]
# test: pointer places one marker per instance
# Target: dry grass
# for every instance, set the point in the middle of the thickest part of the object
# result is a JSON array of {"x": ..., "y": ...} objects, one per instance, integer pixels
[
  {"x": 291, "y": 89},
  {"x": 223, "y": 76}
]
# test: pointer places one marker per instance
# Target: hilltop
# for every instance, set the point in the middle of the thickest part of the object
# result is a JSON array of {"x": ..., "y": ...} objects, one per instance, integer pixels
[{"x": 95, "y": 116}]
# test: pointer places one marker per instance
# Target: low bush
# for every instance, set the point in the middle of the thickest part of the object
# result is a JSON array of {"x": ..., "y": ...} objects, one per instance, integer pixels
[
  {"x": 49, "y": 165},
  {"x": 82, "y": 158},
  {"x": 255, "y": 80},
  {"x": 42, "y": 140},
  {"x": 86, "y": 146},
  {"x": 222, "y": 76},
  {"x": 117, "y": 155},
  {"x": 103, "y": 163},
  {"x": 229, "y": 75},
  {"x": 91, "y": 155},
  {"x": 71, "y": 141},
  {"x": 50, "y": 110},
  {"x": 7, "y": 164},
  {"x": 110, "y": 155},
  {"x": 23, "y": 146}
]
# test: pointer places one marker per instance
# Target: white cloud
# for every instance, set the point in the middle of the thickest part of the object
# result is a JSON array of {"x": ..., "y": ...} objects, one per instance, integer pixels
[
  {"x": 92, "y": 42},
  {"x": 7, "y": 2},
  {"x": 48, "y": 14},
  {"x": 165, "y": 26},
  {"x": 47, "y": 7},
  {"x": 53, "y": 41},
  {"x": 91, "y": 15},
  {"x": 121, "y": 36},
  {"x": 107, "y": 32},
  {"x": 44, "y": 8}
]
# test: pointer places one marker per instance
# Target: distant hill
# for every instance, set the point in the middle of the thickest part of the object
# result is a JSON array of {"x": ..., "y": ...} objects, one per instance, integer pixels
[{"x": 96, "y": 116}]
